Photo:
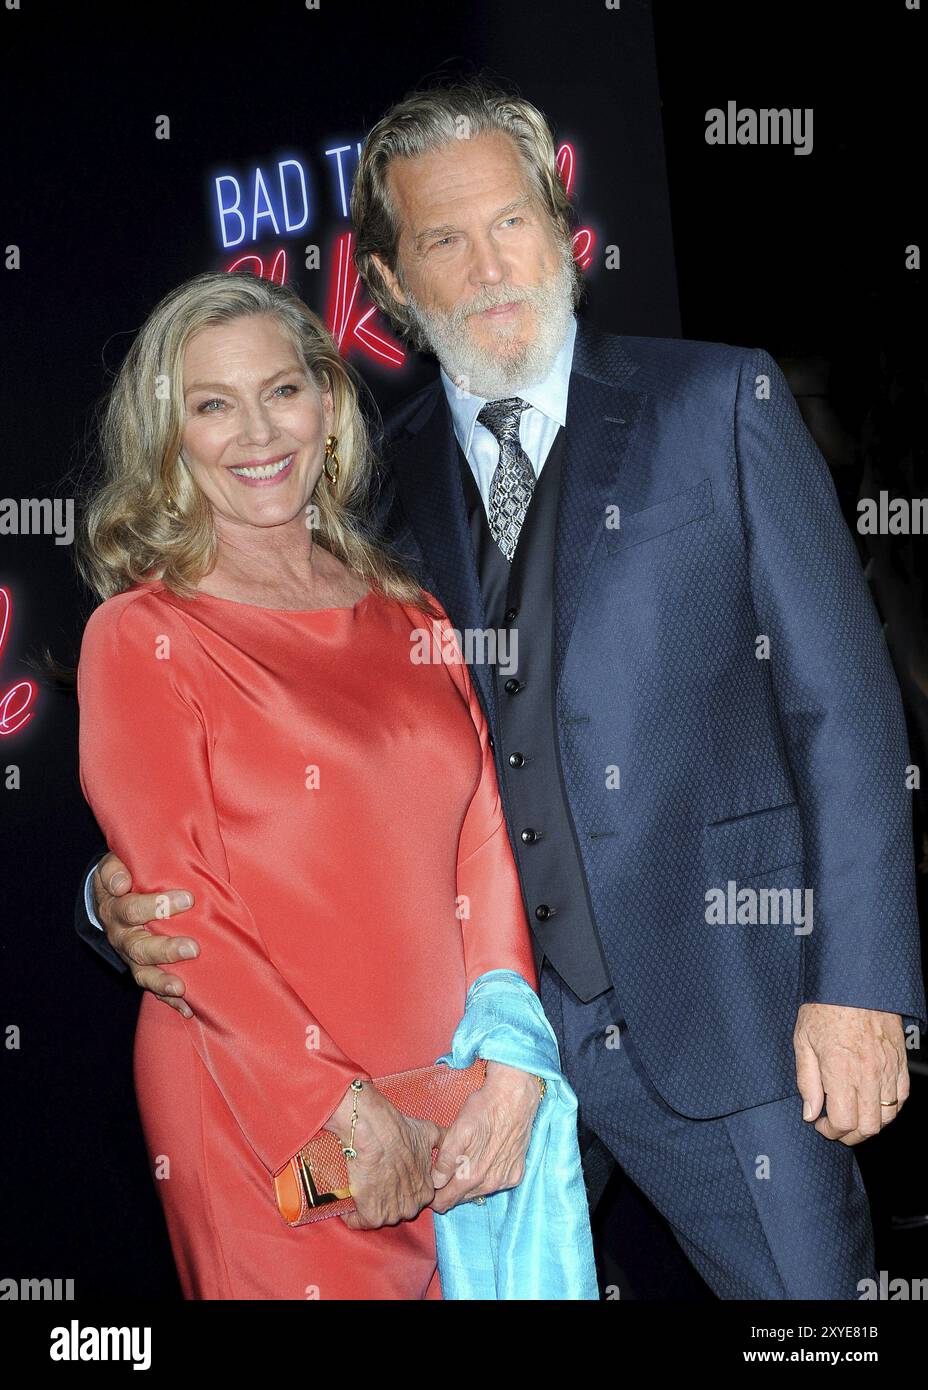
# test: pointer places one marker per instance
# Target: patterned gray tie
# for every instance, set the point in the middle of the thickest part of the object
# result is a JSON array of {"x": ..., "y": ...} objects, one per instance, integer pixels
[{"x": 514, "y": 480}]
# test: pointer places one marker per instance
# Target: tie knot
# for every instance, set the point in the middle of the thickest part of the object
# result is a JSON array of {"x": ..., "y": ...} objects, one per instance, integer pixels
[{"x": 502, "y": 418}]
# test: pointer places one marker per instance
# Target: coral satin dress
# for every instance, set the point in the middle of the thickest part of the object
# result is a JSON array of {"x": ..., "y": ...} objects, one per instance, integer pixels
[{"x": 331, "y": 801}]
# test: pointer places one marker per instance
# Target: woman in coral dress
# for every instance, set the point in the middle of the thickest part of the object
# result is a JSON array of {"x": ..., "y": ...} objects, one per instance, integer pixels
[{"x": 330, "y": 802}]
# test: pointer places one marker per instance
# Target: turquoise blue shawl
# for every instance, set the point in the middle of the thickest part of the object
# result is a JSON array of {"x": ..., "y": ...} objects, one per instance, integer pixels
[{"x": 532, "y": 1241}]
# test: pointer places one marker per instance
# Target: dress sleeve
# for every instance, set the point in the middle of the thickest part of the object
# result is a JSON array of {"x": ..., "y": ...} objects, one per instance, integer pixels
[
  {"x": 496, "y": 930},
  {"x": 143, "y": 684}
]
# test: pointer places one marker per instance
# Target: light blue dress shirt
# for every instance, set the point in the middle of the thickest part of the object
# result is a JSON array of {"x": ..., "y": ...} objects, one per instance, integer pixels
[{"x": 538, "y": 427}]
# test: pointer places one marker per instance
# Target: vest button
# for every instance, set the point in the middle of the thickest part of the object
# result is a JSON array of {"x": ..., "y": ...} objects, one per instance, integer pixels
[
  {"x": 529, "y": 836},
  {"x": 516, "y": 760},
  {"x": 510, "y": 615},
  {"x": 512, "y": 685},
  {"x": 543, "y": 912}
]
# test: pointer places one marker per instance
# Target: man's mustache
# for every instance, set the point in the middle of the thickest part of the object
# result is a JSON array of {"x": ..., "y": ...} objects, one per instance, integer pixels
[{"x": 457, "y": 316}]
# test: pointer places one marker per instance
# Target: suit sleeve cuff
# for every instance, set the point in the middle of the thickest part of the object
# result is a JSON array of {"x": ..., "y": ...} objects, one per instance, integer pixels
[{"x": 88, "y": 900}]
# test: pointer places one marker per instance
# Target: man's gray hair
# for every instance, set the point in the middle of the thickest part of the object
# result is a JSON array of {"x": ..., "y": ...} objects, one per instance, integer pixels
[{"x": 423, "y": 121}]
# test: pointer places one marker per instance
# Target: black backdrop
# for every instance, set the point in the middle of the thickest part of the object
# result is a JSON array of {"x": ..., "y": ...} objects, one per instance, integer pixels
[{"x": 801, "y": 254}]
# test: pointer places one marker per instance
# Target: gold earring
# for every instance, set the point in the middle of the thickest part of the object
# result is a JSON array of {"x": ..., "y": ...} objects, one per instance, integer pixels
[
  {"x": 170, "y": 506},
  {"x": 330, "y": 443}
]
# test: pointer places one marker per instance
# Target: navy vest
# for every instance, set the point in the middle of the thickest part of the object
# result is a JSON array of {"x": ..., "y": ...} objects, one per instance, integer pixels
[{"x": 519, "y": 597}]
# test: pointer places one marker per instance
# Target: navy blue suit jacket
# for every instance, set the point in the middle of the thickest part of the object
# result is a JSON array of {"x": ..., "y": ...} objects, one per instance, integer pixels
[{"x": 777, "y": 771}]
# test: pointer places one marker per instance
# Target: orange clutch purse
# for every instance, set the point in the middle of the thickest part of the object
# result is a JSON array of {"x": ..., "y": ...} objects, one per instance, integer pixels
[{"x": 314, "y": 1183}]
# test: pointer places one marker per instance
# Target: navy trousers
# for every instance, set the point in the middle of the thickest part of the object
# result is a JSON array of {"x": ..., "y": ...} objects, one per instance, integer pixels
[{"x": 762, "y": 1204}]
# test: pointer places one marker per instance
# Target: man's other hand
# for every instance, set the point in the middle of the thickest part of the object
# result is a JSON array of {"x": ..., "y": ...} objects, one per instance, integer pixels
[{"x": 852, "y": 1061}]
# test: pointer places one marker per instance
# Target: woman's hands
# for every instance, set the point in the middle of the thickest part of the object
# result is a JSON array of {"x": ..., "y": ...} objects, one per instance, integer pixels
[
  {"x": 484, "y": 1150},
  {"x": 390, "y": 1178}
]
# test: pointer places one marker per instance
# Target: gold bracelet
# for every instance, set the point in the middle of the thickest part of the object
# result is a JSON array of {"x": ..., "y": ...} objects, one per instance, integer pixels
[
  {"x": 349, "y": 1150},
  {"x": 543, "y": 1084}
]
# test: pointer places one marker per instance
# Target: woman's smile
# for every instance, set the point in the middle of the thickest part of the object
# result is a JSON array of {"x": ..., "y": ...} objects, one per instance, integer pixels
[{"x": 263, "y": 474}]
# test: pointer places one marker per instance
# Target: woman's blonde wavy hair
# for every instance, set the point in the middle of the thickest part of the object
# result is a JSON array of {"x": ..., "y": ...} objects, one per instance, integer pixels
[{"x": 128, "y": 532}]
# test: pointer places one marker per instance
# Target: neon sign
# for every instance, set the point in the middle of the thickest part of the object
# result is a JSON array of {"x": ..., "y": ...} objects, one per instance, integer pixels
[
  {"x": 344, "y": 190},
  {"x": 347, "y": 319},
  {"x": 277, "y": 273},
  {"x": 239, "y": 211},
  {"x": 15, "y": 702}
]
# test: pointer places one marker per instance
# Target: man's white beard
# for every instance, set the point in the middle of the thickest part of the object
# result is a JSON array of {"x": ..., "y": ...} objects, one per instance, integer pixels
[{"x": 475, "y": 368}]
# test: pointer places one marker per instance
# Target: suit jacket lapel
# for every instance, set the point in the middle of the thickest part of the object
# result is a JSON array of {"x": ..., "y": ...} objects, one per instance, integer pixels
[
  {"x": 602, "y": 418},
  {"x": 428, "y": 479}
]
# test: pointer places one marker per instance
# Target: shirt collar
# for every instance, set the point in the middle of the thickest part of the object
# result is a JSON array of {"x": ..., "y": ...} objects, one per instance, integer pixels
[{"x": 548, "y": 395}]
